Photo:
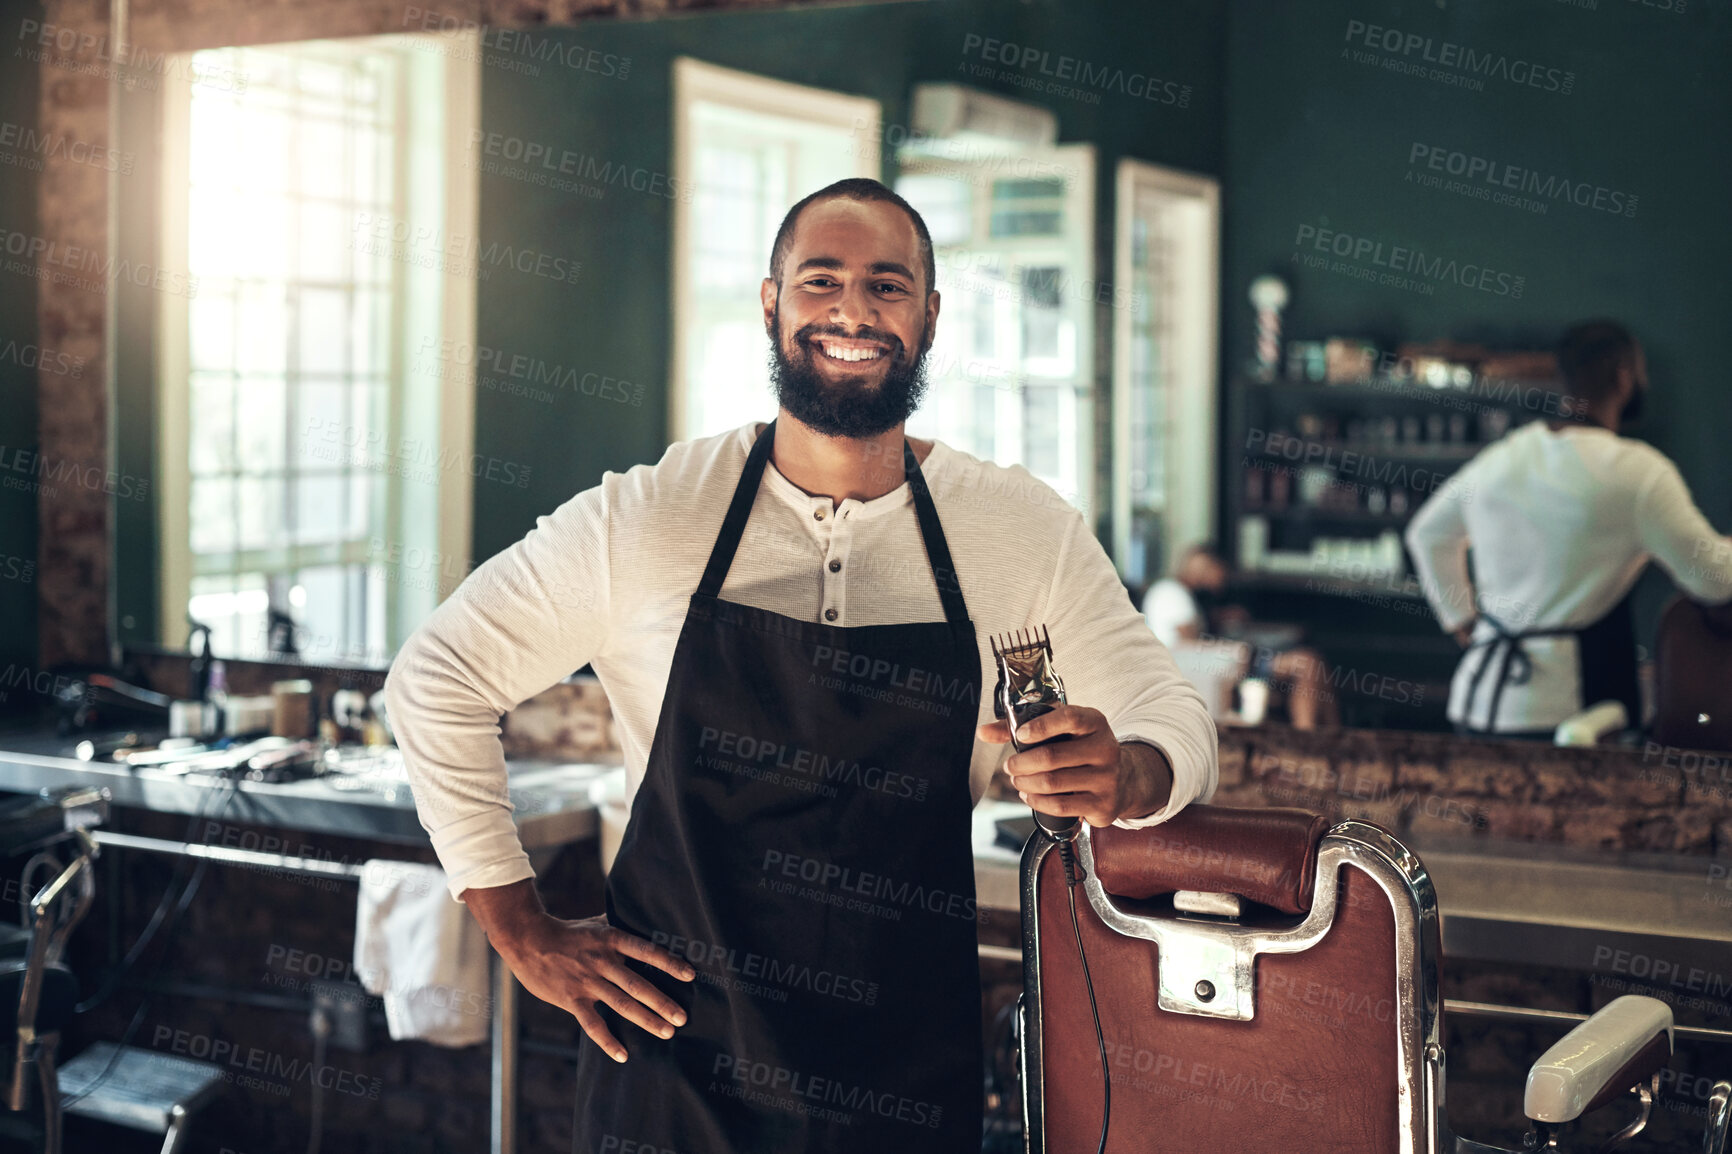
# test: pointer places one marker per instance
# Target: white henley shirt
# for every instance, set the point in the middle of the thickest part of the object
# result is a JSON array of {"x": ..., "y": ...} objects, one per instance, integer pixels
[
  {"x": 604, "y": 580},
  {"x": 1561, "y": 523}
]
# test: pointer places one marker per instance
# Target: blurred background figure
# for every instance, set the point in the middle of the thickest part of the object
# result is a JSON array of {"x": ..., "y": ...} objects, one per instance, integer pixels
[
  {"x": 1561, "y": 516},
  {"x": 1187, "y": 613}
]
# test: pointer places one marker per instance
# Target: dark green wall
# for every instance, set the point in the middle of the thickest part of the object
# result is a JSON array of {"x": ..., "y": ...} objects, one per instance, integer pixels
[
  {"x": 1313, "y": 138},
  {"x": 616, "y": 319},
  {"x": 20, "y": 82}
]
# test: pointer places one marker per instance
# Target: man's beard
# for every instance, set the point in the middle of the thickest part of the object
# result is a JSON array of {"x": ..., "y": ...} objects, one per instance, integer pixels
[{"x": 847, "y": 406}]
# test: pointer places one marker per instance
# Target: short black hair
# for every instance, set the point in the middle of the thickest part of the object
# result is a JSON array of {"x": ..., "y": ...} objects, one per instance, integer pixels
[
  {"x": 1590, "y": 354},
  {"x": 853, "y": 188}
]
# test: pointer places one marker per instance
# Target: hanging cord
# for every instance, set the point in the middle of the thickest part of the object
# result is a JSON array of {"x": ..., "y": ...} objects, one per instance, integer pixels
[
  {"x": 187, "y": 893},
  {"x": 1067, "y": 855},
  {"x": 112, "y": 981},
  {"x": 321, "y": 1034}
]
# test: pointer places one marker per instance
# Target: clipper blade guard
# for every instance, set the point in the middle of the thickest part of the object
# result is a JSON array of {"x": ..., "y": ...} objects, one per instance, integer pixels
[{"x": 1028, "y": 685}]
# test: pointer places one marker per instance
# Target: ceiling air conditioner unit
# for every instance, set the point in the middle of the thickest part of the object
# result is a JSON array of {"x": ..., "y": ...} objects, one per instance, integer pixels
[{"x": 958, "y": 114}]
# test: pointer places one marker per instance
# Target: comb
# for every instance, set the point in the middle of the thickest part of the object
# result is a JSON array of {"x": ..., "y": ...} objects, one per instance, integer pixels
[
  {"x": 1021, "y": 643},
  {"x": 1028, "y": 686}
]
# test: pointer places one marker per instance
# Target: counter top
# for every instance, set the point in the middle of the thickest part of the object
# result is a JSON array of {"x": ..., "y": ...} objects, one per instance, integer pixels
[
  {"x": 1514, "y": 903},
  {"x": 371, "y": 799}
]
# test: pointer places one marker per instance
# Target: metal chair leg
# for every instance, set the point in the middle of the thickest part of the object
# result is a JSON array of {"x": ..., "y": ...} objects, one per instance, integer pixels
[
  {"x": 176, "y": 1130},
  {"x": 1719, "y": 1118},
  {"x": 48, "y": 1044}
]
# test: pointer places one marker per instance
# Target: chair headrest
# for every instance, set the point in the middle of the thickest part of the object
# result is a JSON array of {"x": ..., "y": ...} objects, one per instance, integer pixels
[{"x": 1267, "y": 856}]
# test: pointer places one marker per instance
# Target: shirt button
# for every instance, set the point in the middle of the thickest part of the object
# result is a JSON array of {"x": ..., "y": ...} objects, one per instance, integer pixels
[
  {"x": 835, "y": 566},
  {"x": 818, "y": 514},
  {"x": 829, "y": 615}
]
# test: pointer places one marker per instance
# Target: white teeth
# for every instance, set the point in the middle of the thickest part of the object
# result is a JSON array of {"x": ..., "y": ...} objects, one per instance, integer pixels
[{"x": 842, "y": 354}]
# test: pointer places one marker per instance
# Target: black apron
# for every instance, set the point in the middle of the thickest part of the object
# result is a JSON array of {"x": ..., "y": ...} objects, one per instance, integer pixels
[
  {"x": 802, "y": 838},
  {"x": 1605, "y": 657}
]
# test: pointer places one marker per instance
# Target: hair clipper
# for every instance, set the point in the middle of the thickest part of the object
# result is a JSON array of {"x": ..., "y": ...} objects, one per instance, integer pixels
[{"x": 1029, "y": 686}]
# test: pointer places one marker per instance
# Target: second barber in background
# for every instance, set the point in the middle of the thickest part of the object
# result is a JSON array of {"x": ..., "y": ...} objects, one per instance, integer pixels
[{"x": 1561, "y": 517}]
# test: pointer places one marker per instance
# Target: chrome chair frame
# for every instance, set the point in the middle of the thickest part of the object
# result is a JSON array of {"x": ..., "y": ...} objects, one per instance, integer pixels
[
  {"x": 1225, "y": 956},
  {"x": 51, "y": 925}
]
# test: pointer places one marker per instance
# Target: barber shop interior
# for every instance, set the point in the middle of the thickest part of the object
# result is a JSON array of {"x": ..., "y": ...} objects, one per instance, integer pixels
[{"x": 1281, "y": 702}]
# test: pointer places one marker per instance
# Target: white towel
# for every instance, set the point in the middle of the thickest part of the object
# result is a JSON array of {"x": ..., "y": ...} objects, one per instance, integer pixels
[{"x": 418, "y": 947}]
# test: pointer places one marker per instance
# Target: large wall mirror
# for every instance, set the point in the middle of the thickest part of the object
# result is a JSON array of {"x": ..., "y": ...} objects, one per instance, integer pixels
[{"x": 434, "y": 283}]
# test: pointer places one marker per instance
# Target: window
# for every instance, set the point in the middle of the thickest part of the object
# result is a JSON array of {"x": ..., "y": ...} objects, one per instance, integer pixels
[
  {"x": 1165, "y": 257},
  {"x": 1010, "y": 369},
  {"x": 750, "y": 147},
  {"x": 313, "y": 476}
]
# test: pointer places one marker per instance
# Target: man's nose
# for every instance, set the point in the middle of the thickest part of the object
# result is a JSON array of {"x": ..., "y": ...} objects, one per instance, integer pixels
[{"x": 855, "y": 306}]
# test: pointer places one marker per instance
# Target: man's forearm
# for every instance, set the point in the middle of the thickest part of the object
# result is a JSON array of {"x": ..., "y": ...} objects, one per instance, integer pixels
[
  {"x": 505, "y": 911},
  {"x": 1146, "y": 779}
]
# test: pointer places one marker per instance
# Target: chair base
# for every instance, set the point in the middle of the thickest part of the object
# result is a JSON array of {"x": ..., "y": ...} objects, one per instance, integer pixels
[{"x": 156, "y": 1093}]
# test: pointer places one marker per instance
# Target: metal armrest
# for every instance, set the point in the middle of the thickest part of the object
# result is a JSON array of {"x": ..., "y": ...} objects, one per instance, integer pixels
[
  {"x": 1719, "y": 1119},
  {"x": 1622, "y": 1046}
]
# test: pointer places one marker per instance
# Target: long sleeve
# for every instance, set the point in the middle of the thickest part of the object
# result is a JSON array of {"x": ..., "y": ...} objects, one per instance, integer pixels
[
  {"x": 1680, "y": 538},
  {"x": 1437, "y": 538},
  {"x": 1111, "y": 661},
  {"x": 523, "y": 620}
]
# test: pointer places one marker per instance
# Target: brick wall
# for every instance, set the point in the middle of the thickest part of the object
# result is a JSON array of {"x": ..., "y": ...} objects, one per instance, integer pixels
[{"x": 1658, "y": 799}]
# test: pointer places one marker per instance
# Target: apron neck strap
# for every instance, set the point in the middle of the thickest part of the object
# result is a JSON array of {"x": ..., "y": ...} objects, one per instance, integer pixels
[
  {"x": 746, "y": 492},
  {"x": 932, "y": 533}
]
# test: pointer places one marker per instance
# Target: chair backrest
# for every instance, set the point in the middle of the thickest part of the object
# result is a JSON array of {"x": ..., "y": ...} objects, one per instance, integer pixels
[
  {"x": 1693, "y": 677},
  {"x": 1310, "y": 1017}
]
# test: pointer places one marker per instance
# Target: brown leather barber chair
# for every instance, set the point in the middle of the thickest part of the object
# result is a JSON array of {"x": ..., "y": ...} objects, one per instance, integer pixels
[
  {"x": 1693, "y": 678},
  {"x": 1264, "y": 982}
]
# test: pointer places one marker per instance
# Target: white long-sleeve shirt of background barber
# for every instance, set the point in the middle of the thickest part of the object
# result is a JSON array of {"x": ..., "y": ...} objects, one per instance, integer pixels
[
  {"x": 1561, "y": 523},
  {"x": 604, "y": 581}
]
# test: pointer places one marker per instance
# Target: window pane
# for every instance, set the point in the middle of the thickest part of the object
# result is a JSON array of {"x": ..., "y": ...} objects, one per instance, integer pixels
[
  {"x": 211, "y": 515},
  {"x": 324, "y": 615},
  {"x": 324, "y": 330},
  {"x": 259, "y": 503},
  {"x": 235, "y": 607},
  {"x": 367, "y": 348},
  {"x": 290, "y": 402},
  {"x": 260, "y": 160},
  {"x": 318, "y": 509},
  {"x": 365, "y": 490},
  {"x": 260, "y": 236},
  {"x": 211, "y": 330},
  {"x": 215, "y": 126},
  {"x": 323, "y": 168},
  {"x": 945, "y": 203},
  {"x": 324, "y": 241},
  {"x": 263, "y": 338},
  {"x": 319, "y": 433},
  {"x": 262, "y": 411},
  {"x": 211, "y": 428},
  {"x": 372, "y": 153}
]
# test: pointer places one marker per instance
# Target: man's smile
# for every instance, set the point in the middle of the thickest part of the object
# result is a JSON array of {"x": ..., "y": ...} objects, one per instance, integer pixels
[{"x": 847, "y": 351}]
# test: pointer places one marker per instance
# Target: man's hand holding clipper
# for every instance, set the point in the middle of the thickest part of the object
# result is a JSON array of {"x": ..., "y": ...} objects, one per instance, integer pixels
[{"x": 1092, "y": 775}]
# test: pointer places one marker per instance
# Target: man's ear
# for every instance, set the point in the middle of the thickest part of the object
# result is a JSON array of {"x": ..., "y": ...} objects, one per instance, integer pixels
[
  {"x": 1626, "y": 379},
  {"x": 767, "y": 291}
]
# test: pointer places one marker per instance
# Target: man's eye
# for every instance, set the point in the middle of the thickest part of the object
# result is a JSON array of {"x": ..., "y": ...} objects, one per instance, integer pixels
[{"x": 895, "y": 288}]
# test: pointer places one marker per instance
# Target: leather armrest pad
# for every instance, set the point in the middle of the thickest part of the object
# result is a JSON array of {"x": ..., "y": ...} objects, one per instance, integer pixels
[{"x": 1267, "y": 856}]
